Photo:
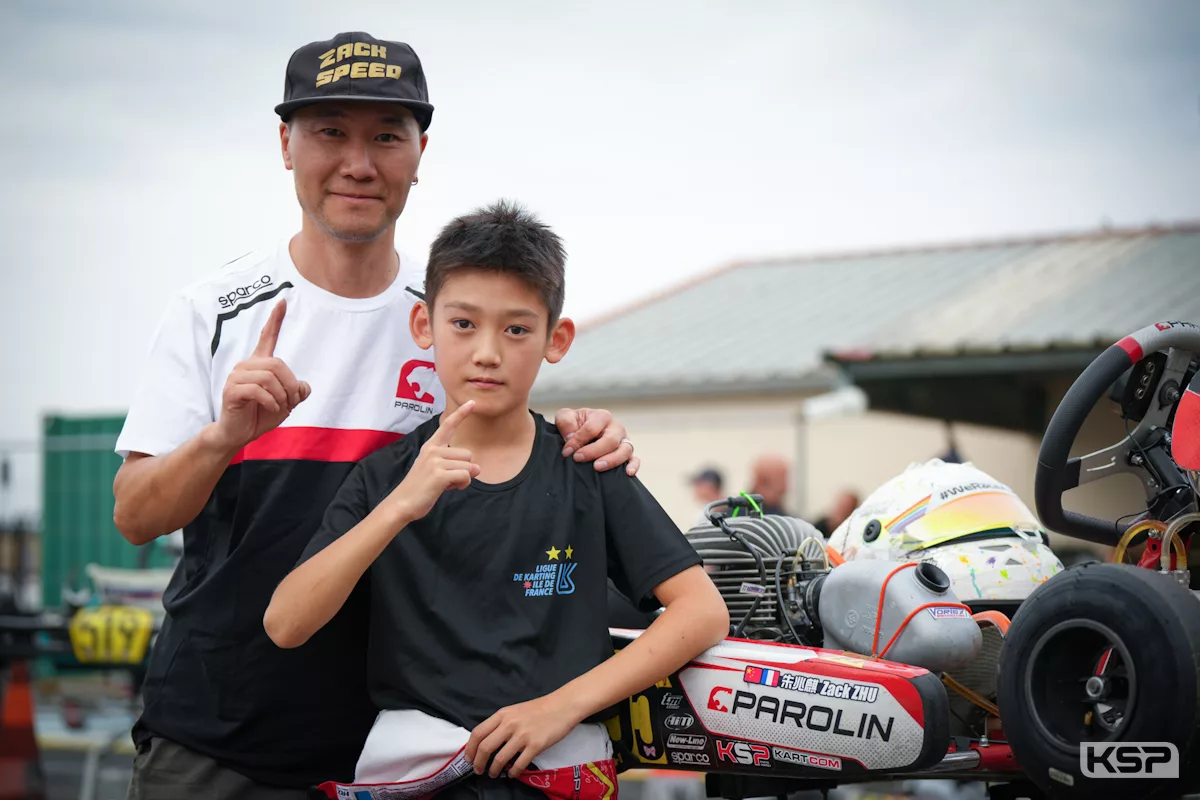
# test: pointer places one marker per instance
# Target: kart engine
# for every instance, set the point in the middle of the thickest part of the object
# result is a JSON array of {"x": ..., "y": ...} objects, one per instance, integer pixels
[{"x": 774, "y": 575}]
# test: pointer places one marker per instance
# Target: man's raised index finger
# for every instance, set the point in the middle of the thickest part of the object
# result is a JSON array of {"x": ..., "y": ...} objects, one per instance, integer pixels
[
  {"x": 448, "y": 424},
  {"x": 270, "y": 331}
]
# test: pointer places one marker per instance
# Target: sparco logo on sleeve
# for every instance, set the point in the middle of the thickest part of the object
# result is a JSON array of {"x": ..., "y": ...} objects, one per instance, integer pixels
[
  {"x": 1129, "y": 760},
  {"x": 243, "y": 292}
]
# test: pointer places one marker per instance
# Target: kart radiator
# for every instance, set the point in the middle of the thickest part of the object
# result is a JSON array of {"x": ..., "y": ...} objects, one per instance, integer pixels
[{"x": 967, "y": 718}]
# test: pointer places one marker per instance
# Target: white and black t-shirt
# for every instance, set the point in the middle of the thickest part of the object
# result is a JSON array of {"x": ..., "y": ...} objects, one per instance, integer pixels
[
  {"x": 216, "y": 683},
  {"x": 499, "y": 594}
]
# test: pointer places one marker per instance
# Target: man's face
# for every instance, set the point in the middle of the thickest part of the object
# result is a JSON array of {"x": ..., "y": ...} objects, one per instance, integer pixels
[
  {"x": 771, "y": 480},
  {"x": 489, "y": 331},
  {"x": 844, "y": 507},
  {"x": 354, "y": 164},
  {"x": 705, "y": 491}
]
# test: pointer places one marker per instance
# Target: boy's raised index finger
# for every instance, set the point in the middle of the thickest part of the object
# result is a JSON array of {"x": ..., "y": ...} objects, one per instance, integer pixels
[
  {"x": 270, "y": 331},
  {"x": 449, "y": 423}
]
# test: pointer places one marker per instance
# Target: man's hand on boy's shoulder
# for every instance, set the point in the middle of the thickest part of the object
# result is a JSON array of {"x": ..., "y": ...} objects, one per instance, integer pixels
[
  {"x": 438, "y": 467},
  {"x": 517, "y": 734},
  {"x": 593, "y": 435}
]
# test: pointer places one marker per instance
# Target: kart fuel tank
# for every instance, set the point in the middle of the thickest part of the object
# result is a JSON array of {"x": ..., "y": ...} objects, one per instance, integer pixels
[{"x": 905, "y": 613}]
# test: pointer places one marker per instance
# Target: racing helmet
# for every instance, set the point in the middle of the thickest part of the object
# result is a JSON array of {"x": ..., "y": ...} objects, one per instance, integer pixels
[{"x": 958, "y": 517}]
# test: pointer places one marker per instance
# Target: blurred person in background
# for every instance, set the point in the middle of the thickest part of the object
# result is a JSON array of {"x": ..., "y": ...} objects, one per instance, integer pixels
[
  {"x": 951, "y": 455},
  {"x": 843, "y": 506},
  {"x": 707, "y": 486},
  {"x": 770, "y": 474}
]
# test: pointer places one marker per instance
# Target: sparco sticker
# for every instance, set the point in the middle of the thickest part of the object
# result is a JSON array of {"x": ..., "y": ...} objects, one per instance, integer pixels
[{"x": 696, "y": 759}]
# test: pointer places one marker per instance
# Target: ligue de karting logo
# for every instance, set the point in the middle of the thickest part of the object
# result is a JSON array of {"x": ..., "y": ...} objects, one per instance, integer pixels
[
  {"x": 551, "y": 578},
  {"x": 417, "y": 379}
]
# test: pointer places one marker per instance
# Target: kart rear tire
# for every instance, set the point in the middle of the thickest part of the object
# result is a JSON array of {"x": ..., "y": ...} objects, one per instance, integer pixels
[{"x": 1155, "y": 624}]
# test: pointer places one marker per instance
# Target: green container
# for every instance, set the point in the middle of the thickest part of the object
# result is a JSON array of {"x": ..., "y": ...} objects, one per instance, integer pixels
[{"x": 78, "y": 467}]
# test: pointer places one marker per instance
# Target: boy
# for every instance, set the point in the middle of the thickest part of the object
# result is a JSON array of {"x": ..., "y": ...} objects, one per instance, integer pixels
[{"x": 489, "y": 647}]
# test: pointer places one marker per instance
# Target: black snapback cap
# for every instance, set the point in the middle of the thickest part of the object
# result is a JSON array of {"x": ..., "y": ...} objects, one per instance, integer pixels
[{"x": 356, "y": 66}]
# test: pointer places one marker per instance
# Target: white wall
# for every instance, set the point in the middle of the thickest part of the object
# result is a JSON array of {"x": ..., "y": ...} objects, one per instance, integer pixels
[
  {"x": 676, "y": 438},
  {"x": 865, "y": 451}
]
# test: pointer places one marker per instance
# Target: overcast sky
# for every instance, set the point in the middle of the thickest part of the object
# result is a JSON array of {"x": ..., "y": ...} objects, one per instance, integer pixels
[{"x": 661, "y": 140}]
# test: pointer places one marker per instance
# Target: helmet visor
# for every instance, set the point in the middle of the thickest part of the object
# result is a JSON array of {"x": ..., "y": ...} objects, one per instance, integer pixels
[{"x": 1004, "y": 513}]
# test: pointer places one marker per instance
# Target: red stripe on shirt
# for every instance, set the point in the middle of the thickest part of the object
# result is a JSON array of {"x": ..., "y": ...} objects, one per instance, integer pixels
[{"x": 315, "y": 444}]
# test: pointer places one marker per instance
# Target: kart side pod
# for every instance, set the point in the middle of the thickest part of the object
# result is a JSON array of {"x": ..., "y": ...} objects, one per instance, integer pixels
[
  {"x": 757, "y": 708},
  {"x": 907, "y": 613}
]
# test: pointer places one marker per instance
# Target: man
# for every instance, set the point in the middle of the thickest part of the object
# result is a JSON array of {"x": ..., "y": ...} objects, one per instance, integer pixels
[
  {"x": 706, "y": 488},
  {"x": 243, "y": 428},
  {"x": 951, "y": 455},
  {"x": 843, "y": 506},
  {"x": 770, "y": 479}
]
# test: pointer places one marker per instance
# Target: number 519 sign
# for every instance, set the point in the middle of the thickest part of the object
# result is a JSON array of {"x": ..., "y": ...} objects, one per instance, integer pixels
[{"x": 111, "y": 634}]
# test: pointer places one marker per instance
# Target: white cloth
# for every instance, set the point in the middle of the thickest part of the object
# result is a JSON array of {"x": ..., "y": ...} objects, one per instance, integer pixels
[{"x": 409, "y": 745}]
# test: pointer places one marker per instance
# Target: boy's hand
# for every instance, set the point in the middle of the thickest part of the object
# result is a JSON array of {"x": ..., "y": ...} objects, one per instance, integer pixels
[
  {"x": 518, "y": 734},
  {"x": 438, "y": 467}
]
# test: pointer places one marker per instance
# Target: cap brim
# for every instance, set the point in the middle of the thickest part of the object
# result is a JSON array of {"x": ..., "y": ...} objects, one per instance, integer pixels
[{"x": 422, "y": 111}]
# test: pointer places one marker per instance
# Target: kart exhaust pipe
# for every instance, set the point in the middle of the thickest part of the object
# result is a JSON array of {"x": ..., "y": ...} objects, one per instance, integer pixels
[{"x": 953, "y": 762}]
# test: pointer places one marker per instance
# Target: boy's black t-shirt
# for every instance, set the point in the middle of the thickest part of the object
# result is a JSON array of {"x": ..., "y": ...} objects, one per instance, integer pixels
[{"x": 500, "y": 595}]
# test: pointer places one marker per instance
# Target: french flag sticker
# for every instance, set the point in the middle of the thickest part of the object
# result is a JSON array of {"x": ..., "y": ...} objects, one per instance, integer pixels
[{"x": 766, "y": 677}]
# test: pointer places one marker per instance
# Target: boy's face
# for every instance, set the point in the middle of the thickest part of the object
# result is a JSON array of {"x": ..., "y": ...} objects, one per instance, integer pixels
[{"x": 490, "y": 332}]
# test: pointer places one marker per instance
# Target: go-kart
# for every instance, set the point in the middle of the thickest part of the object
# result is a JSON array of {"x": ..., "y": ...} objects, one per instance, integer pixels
[{"x": 843, "y": 669}]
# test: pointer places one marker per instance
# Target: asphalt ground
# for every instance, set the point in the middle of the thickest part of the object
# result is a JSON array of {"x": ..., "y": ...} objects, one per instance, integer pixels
[{"x": 63, "y": 772}]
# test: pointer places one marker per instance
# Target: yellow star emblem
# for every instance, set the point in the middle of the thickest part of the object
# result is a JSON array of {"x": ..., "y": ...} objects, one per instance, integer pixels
[
  {"x": 570, "y": 550},
  {"x": 553, "y": 553}
]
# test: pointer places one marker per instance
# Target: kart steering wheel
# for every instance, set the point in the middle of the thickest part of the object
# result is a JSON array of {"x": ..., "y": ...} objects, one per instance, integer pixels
[{"x": 1140, "y": 453}]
